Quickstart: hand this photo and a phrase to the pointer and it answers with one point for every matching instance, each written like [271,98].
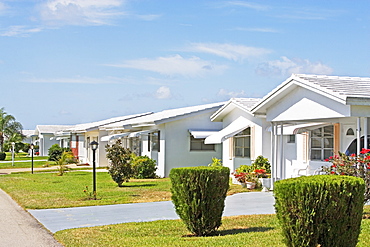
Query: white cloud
[19,31]
[226,94]
[3,7]
[286,67]
[174,65]
[249,5]
[229,51]
[163,93]
[80,12]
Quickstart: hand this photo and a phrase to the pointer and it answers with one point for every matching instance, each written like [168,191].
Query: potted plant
[264,179]
[251,180]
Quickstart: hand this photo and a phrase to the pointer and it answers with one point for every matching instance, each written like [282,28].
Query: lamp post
[94,146]
[13,144]
[32,147]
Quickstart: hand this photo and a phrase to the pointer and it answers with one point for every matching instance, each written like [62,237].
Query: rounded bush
[320,210]
[143,167]
[198,194]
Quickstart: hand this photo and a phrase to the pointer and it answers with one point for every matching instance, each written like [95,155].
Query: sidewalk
[19,228]
[66,218]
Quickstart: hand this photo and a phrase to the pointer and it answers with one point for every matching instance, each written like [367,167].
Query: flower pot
[266,183]
[250,185]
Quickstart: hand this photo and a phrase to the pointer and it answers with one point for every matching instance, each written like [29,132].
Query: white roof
[28,133]
[50,128]
[245,104]
[163,116]
[344,89]
[88,126]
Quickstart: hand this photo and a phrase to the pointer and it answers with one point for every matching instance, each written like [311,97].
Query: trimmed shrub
[198,194]
[55,152]
[2,156]
[119,162]
[143,167]
[320,210]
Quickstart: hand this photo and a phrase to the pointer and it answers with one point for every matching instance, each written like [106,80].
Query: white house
[44,136]
[312,117]
[243,136]
[80,136]
[174,138]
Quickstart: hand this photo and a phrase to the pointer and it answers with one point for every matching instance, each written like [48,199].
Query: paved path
[65,218]
[19,228]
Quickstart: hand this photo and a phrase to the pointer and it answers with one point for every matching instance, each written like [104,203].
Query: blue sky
[78,61]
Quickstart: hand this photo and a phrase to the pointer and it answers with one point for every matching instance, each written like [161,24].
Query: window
[291,138]
[242,144]
[153,141]
[197,144]
[322,143]
[350,132]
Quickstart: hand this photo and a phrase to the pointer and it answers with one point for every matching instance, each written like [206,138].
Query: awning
[112,137]
[201,134]
[298,128]
[138,133]
[232,129]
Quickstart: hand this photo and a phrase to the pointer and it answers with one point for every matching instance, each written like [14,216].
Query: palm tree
[8,127]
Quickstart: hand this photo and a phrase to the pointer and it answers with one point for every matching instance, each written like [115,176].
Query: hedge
[198,194]
[320,210]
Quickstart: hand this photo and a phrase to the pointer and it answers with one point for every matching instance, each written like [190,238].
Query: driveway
[66,218]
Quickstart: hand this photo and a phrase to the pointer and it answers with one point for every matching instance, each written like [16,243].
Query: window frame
[203,146]
[321,140]
[247,142]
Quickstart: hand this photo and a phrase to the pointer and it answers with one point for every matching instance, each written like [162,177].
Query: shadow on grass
[136,185]
[234,231]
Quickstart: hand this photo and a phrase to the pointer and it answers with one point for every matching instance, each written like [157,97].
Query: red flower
[326,160]
[341,164]
[332,172]
[334,165]
[353,155]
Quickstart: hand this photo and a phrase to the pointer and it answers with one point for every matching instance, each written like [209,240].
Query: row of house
[299,124]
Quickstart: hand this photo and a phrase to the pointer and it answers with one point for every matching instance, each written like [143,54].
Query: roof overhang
[201,134]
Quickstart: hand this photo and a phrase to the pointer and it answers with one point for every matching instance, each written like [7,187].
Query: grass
[22,161]
[47,190]
[244,230]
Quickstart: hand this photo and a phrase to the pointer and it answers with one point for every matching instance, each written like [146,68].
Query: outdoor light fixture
[94,146]
[32,147]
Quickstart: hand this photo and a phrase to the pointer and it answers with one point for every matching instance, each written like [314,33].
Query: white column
[358,132]
[366,144]
[282,166]
[273,160]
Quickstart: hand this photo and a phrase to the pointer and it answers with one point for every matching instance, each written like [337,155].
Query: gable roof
[163,116]
[245,104]
[344,89]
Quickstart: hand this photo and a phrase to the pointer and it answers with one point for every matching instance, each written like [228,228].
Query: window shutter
[336,138]
[252,144]
[231,148]
[305,150]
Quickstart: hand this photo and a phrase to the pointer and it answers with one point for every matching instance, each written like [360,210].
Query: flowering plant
[351,165]
[261,173]
[246,177]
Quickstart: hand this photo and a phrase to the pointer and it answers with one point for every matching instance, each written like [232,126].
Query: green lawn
[23,161]
[245,230]
[47,190]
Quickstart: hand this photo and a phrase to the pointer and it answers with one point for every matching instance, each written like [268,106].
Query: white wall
[175,151]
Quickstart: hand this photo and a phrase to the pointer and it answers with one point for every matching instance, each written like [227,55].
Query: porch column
[282,167]
[365,132]
[358,132]
[273,157]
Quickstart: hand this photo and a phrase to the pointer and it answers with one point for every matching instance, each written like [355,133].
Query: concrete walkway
[19,228]
[66,218]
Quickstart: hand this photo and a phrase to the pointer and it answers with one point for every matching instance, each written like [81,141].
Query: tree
[8,128]
[120,162]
